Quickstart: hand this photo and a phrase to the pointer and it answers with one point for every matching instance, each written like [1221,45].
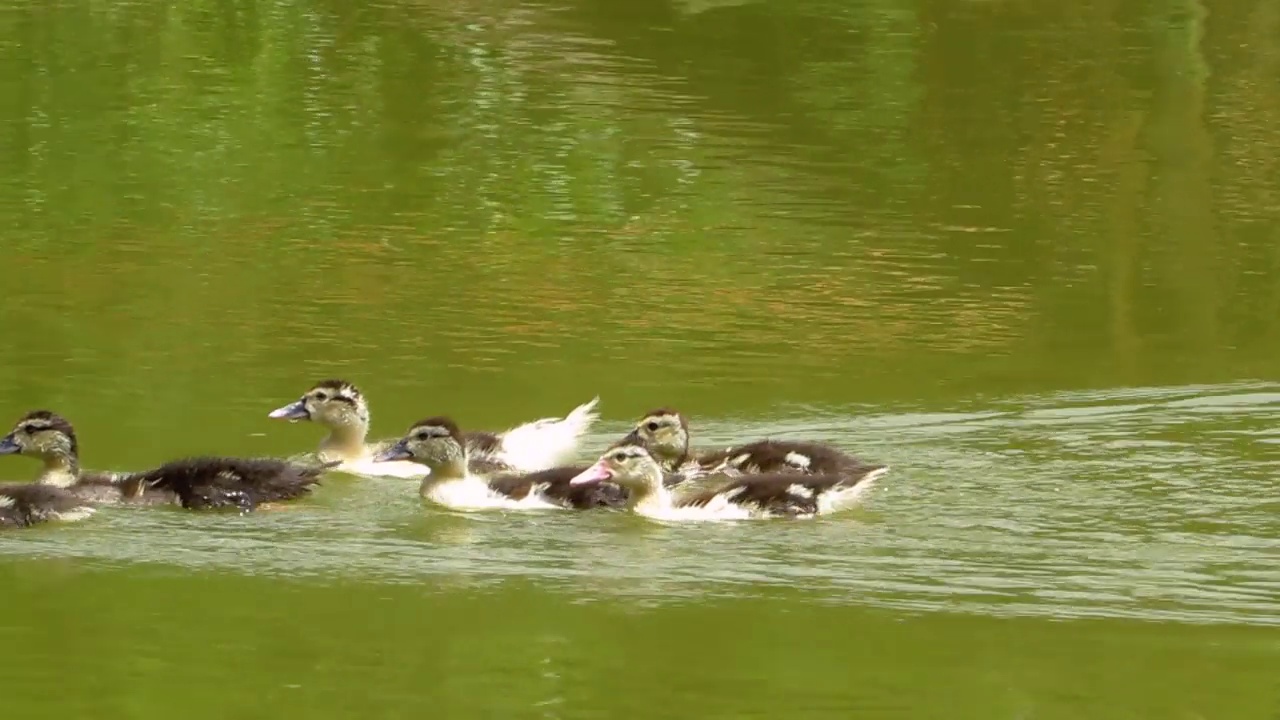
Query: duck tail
[546,443]
[865,474]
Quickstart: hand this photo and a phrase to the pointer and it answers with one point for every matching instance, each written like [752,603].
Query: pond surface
[1027,255]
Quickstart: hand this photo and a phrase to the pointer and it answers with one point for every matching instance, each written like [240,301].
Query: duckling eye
[321,397]
[619,457]
[30,429]
[422,435]
[652,426]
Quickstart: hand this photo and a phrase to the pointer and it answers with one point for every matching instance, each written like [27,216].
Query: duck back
[23,505]
[481,442]
[780,493]
[205,483]
[784,456]
[553,484]
[103,488]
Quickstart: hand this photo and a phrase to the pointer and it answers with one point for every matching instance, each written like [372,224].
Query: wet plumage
[194,483]
[24,505]
[554,485]
[203,483]
[665,432]
[632,466]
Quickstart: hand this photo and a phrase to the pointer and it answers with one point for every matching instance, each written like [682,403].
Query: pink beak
[595,473]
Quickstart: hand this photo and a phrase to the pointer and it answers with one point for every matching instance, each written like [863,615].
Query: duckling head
[435,442]
[665,433]
[628,464]
[336,405]
[331,403]
[47,436]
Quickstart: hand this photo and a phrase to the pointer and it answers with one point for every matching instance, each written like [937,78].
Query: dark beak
[399,451]
[292,412]
[633,438]
[8,446]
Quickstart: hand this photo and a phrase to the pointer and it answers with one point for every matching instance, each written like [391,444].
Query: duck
[747,496]
[342,409]
[196,483]
[665,432]
[23,505]
[457,482]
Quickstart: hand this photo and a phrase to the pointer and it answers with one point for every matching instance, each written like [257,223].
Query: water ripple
[1154,503]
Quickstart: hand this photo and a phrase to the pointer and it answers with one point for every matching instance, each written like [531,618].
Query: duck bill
[595,473]
[293,412]
[395,452]
[633,438]
[8,446]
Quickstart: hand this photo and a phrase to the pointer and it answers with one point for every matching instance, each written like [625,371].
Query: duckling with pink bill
[665,433]
[461,482]
[745,497]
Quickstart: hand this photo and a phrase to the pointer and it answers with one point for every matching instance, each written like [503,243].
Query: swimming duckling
[341,408]
[756,495]
[194,483]
[24,505]
[49,438]
[454,481]
[665,432]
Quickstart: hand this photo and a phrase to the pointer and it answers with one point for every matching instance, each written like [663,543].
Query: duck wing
[782,493]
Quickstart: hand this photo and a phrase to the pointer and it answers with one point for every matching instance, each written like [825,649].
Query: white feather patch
[6,501]
[799,490]
[799,460]
[544,443]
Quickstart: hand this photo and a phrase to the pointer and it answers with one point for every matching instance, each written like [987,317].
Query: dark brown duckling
[665,432]
[457,482]
[194,483]
[24,505]
[750,496]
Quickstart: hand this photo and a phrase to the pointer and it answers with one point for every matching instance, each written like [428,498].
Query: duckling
[194,483]
[665,432]
[23,505]
[457,482]
[48,437]
[748,496]
[341,408]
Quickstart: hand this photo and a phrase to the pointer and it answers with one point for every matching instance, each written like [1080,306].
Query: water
[1028,256]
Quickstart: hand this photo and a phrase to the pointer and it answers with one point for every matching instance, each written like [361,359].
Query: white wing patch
[799,460]
[799,490]
[229,475]
[6,501]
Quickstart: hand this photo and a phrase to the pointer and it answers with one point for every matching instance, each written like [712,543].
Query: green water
[1026,253]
